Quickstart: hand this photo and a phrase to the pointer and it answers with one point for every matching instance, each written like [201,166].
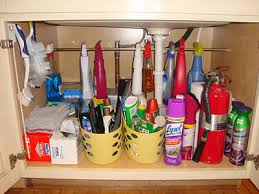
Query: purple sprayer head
[237,104]
[175,108]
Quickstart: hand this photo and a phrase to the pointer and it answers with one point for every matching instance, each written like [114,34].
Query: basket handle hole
[90,154]
[86,136]
[88,145]
[136,154]
[114,153]
[134,136]
[116,135]
[128,137]
[115,144]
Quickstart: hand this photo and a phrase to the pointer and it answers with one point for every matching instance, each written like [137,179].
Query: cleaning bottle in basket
[99,73]
[168,76]
[137,71]
[174,129]
[240,136]
[87,81]
[148,77]
[230,125]
[196,73]
[180,86]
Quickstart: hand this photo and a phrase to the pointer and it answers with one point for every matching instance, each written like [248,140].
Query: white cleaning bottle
[87,91]
[137,73]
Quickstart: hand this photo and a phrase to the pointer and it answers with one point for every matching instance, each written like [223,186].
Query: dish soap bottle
[148,77]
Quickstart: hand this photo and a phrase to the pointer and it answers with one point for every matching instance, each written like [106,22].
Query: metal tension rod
[133,49]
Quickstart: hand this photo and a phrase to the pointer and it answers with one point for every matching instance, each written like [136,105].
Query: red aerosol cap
[152,105]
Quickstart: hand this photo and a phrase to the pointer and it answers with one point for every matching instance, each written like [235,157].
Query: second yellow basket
[144,148]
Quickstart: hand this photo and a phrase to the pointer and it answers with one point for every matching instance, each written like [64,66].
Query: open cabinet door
[254,138]
[10,137]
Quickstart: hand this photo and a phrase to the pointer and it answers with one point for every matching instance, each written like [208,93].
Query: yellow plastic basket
[102,148]
[144,148]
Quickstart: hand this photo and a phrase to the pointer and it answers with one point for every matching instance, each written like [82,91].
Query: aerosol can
[213,119]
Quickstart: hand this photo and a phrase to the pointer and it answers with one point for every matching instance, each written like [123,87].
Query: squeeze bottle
[174,129]
[168,77]
[99,73]
[196,73]
[180,86]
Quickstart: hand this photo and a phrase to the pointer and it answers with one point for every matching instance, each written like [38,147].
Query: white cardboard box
[65,150]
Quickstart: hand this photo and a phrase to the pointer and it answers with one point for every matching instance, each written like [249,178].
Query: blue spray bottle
[168,77]
[196,73]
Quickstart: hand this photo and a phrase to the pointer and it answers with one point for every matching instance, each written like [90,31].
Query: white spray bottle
[87,90]
[137,73]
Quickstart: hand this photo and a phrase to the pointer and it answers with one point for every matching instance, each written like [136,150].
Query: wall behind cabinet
[73,36]
[243,61]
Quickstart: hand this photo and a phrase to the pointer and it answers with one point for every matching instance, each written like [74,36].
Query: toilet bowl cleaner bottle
[174,129]
[180,85]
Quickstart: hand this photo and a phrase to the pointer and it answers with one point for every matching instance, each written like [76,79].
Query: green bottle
[240,136]
[230,125]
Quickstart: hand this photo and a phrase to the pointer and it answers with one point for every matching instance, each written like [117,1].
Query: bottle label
[175,120]
[188,135]
[229,133]
[173,143]
[238,147]
[188,138]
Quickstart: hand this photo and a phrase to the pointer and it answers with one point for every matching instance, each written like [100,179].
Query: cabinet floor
[246,187]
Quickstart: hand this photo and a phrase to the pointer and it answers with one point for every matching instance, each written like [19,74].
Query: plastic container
[102,148]
[144,148]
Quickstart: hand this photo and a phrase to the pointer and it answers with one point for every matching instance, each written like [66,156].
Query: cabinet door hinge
[13,158]
[5,44]
[254,158]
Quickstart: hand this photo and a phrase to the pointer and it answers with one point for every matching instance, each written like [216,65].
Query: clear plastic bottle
[148,77]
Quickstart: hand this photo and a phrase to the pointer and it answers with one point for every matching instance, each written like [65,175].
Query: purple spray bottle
[174,131]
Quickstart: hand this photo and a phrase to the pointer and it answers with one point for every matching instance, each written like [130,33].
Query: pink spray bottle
[180,85]
[99,73]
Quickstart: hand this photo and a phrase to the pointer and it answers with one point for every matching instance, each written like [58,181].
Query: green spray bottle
[240,136]
[230,125]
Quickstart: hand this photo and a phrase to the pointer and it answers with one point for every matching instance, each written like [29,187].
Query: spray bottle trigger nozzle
[198,50]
